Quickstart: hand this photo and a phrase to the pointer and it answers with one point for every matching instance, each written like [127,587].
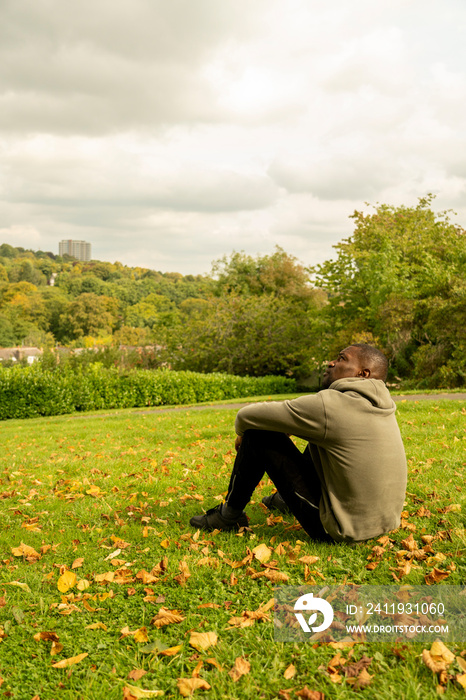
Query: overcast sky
[168,133]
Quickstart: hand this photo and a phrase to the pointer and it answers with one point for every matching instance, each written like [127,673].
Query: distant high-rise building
[78,249]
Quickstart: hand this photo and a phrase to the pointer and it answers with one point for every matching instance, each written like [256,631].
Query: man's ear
[366,373]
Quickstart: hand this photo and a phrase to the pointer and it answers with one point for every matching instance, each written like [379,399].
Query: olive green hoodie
[357,450]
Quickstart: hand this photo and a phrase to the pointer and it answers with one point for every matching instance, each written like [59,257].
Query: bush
[35,391]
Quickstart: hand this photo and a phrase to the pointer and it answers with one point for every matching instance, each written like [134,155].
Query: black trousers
[292,472]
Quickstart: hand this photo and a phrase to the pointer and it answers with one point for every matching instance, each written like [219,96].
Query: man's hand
[238,442]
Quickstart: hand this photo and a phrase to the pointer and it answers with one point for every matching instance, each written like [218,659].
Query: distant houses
[20,354]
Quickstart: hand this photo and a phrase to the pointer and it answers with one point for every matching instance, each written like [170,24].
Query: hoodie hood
[373,390]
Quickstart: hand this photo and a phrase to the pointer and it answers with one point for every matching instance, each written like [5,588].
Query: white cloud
[171,133]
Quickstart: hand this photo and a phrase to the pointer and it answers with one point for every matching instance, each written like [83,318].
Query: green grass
[81,488]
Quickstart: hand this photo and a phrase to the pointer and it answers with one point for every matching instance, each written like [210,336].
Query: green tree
[241,335]
[279,274]
[153,311]
[22,304]
[394,281]
[89,315]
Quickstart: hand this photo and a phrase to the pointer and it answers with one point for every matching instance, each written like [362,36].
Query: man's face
[347,364]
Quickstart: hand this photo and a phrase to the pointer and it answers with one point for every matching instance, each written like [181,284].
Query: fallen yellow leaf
[290,672]
[439,650]
[241,668]
[56,648]
[94,491]
[20,584]
[187,686]
[66,581]
[24,550]
[96,626]
[107,577]
[64,663]
[203,640]
[141,635]
[262,553]
[131,691]
[166,617]
[171,651]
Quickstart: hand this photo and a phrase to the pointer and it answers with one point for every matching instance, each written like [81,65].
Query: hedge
[28,392]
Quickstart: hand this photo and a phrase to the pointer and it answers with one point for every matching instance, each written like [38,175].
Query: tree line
[398,282]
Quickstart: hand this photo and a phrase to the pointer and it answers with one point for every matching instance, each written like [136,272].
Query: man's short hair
[373,359]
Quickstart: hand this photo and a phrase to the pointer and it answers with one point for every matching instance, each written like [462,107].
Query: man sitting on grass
[349,483]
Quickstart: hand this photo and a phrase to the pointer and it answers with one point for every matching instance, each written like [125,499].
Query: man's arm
[303,417]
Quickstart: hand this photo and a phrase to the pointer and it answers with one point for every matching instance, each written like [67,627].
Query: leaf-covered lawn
[107,592]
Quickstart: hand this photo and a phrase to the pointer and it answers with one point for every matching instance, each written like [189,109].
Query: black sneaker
[214,520]
[275,502]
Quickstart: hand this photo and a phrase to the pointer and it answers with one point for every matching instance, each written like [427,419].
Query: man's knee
[269,439]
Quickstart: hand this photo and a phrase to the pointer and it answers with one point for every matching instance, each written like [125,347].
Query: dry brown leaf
[214,662]
[453,508]
[64,663]
[362,681]
[409,543]
[185,573]
[308,694]
[435,576]
[146,577]
[166,617]
[432,664]
[107,577]
[77,563]
[187,686]
[427,539]
[276,576]
[136,674]
[241,622]
[241,668]
[309,560]
[343,644]
[249,617]
[209,605]
[46,636]
[203,640]
[372,565]
[56,648]
[24,550]
[438,658]
[197,669]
